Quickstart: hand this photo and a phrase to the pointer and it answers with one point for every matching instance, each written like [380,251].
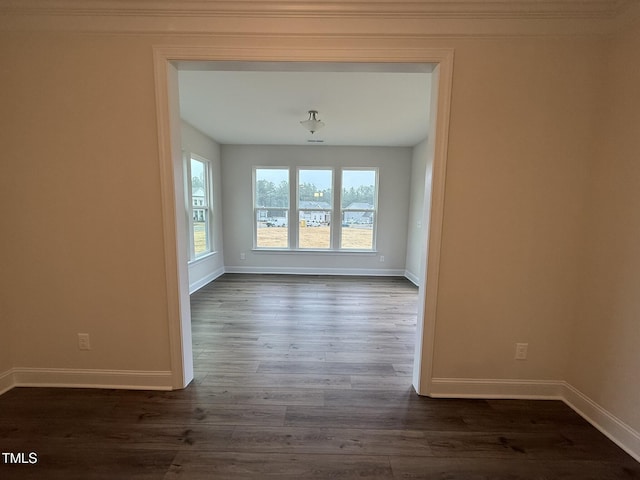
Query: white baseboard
[611,426]
[375,272]
[619,432]
[74,378]
[6,381]
[615,429]
[197,285]
[412,277]
[495,388]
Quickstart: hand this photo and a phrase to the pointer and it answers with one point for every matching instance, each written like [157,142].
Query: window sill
[298,251]
[202,258]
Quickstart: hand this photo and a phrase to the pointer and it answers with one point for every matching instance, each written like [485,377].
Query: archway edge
[166,62]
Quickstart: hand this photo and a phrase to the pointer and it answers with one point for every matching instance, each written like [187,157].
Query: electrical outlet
[83,341]
[381,258]
[243,256]
[521,351]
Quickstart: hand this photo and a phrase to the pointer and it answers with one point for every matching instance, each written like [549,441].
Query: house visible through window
[271,207]
[199,203]
[317,208]
[314,208]
[358,209]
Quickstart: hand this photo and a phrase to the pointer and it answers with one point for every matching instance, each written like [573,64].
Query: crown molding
[481,9]
[420,18]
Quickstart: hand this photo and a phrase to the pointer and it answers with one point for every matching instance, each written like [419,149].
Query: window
[358,205]
[314,208]
[271,207]
[199,205]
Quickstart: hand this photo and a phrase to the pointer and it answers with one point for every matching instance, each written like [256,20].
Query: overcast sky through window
[351,178]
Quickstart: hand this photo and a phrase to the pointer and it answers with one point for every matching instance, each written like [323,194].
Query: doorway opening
[170,62]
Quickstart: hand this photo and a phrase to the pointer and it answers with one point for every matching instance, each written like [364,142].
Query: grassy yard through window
[355,237]
[199,237]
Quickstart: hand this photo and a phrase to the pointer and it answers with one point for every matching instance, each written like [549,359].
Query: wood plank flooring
[300,377]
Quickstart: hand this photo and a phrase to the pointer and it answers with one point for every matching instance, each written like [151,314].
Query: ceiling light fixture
[312,123]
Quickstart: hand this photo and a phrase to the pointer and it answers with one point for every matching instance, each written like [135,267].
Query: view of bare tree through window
[200,207]
[358,208]
[272,207]
[316,213]
[314,208]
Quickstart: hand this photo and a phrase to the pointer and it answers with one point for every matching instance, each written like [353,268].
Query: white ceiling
[263,103]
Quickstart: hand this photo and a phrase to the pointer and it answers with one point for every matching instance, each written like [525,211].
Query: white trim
[441,89]
[201,282]
[372,272]
[496,388]
[413,278]
[202,258]
[611,426]
[615,429]
[425,18]
[291,233]
[174,219]
[432,18]
[313,251]
[340,210]
[164,58]
[463,9]
[189,157]
[92,378]
[6,381]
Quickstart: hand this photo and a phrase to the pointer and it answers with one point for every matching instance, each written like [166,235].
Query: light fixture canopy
[312,123]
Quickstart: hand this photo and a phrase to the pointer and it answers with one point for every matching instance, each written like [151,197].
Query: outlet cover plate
[521,351]
[83,341]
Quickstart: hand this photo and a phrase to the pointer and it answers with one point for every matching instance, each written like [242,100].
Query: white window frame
[336,211]
[331,210]
[286,211]
[373,211]
[207,207]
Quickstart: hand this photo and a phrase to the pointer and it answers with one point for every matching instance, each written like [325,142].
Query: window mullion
[336,212]
[294,220]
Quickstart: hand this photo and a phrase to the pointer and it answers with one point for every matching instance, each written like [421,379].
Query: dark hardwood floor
[300,378]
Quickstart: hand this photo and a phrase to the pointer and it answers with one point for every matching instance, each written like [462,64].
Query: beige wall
[519,137]
[6,362]
[606,335]
[520,146]
[81,199]
[520,129]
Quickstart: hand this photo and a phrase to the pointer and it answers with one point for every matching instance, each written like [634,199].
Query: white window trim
[189,207]
[255,209]
[374,210]
[336,212]
[331,211]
